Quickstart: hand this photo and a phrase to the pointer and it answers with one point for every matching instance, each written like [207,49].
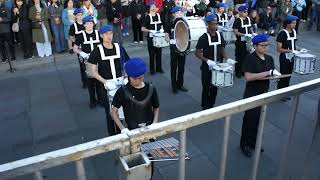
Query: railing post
[81,172]
[224,149]
[38,175]
[259,142]
[283,163]
[182,154]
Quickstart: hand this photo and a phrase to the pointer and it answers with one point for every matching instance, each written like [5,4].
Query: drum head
[182,35]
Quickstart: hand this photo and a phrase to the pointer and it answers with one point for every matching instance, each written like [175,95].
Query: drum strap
[142,103]
[246,26]
[91,41]
[76,31]
[214,44]
[155,23]
[223,20]
[110,58]
[291,39]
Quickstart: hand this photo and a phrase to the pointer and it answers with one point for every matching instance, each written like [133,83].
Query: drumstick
[276,77]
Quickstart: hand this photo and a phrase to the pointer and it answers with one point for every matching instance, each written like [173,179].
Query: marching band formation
[116,82]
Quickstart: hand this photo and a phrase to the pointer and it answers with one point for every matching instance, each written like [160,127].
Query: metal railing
[130,143]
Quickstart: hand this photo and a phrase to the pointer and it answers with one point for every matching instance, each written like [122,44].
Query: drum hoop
[189,33]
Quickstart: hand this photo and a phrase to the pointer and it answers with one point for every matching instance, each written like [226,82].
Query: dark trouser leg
[83,73]
[209,91]
[286,67]
[158,59]
[11,45]
[26,41]
[152,53]
[298,14]
[250,127]
[2,46]
[99,91]
[92,90]
[241,53]
[173,64]
[112,128]
[134,29]
[181,63]
[139,31]
[7,37]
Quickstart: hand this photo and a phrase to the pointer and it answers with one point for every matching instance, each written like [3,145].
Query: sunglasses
[263,45]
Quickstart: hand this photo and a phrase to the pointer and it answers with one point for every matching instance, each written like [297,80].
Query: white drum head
[306,55]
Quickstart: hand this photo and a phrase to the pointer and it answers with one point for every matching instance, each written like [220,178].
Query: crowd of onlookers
[44,24]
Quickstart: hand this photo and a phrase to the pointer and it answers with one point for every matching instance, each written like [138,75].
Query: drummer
[210,49]
[152,24]
[83,46]
[177,59]
[242,28]
[109,57]
[222,16]
[256,66]
[138,99]
[286,45]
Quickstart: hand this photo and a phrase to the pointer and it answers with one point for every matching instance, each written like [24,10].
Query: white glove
[231,61]
[248,35]
[125,81]
[303,50]
[161,30]
[295,52]
[274,72]
[211,63]
[84,55]
[153,31]
[109,86]
[125,131]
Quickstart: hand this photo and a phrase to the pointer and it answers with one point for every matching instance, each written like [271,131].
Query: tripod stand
[11,69]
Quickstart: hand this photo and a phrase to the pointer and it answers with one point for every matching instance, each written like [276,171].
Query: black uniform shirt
[146,24]
[237,25]
[282,38]
[208,51]
[254,64]
[104,68]
[133,114]
[72,31]
[222,17]
[87,47]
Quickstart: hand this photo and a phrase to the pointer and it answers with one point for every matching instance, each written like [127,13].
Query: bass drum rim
[185,25]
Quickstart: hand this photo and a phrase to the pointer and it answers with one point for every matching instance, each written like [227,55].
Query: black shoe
[13,59]
[4,60]
[174,90]
[238,75]
[161,71]
[70,51]
[247,151]
[152,72]
[93,105]
[183,89]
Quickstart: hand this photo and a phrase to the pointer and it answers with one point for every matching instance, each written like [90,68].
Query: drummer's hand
[153,31]
[109,86]
[84,55]
[295,52]
[274,72]
[125,131]
[211,63]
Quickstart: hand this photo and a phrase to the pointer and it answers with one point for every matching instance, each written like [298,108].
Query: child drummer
[210,49]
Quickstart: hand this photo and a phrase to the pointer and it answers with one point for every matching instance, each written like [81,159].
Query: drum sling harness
[111,58]
[214,44]
[246,26]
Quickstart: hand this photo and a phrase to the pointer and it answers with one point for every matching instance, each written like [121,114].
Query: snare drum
[222,75]
[159,40]
[187,31]
[111,94]
[228,35]
[304,63]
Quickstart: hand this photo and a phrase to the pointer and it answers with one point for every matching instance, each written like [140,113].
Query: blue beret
[77,11]
[88,19]
[135,67]
[260,38]
[151,3]
[176,9]
[211,17]
[221,4]
[105,28]
[291,18]
[243,8]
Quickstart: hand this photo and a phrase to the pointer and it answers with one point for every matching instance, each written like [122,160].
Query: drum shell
[304,63]
[228,35]
[221,78]
[111,94]
[160,42]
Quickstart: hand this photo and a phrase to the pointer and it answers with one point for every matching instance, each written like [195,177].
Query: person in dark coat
[137,11]
[114,11]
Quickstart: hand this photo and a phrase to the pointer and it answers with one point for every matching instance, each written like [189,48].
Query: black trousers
[7,38]
[298,14]
[177,65]
[25,38]
[209,91]
[94,88]
[136,28]
[112,128]
[286,67]
[83,73]
[154,57]
[240,53]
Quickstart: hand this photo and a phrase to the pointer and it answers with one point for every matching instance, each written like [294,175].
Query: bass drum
[187,31]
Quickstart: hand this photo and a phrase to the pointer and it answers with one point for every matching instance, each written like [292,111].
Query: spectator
[20,15]
[165,11]
[238,3]
[231,18]
[102,12]
[68,19]
[306,11]
[285,9]
[267,22]
[90,10]
[114,17]
[229,4]
[255,20]
[41,33]
[55,13]
[262,5]
[6,33]
[211,6]
[125,15]
[298,6]
[315,15]
[137,10]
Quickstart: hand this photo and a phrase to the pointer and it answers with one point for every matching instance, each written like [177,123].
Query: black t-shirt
[135,114]
[282,38]
[147,24]
[84,42]
[237,25]
[222,17]
[104,68]
[72,31]
[208,51]
[254,64]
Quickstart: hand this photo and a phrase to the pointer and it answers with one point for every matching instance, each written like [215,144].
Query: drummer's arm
[199,54]
[95,74]
[115,117]
[255,76]
[143,29]
[280,49]
[156,115]
[76,49]
[224,54]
